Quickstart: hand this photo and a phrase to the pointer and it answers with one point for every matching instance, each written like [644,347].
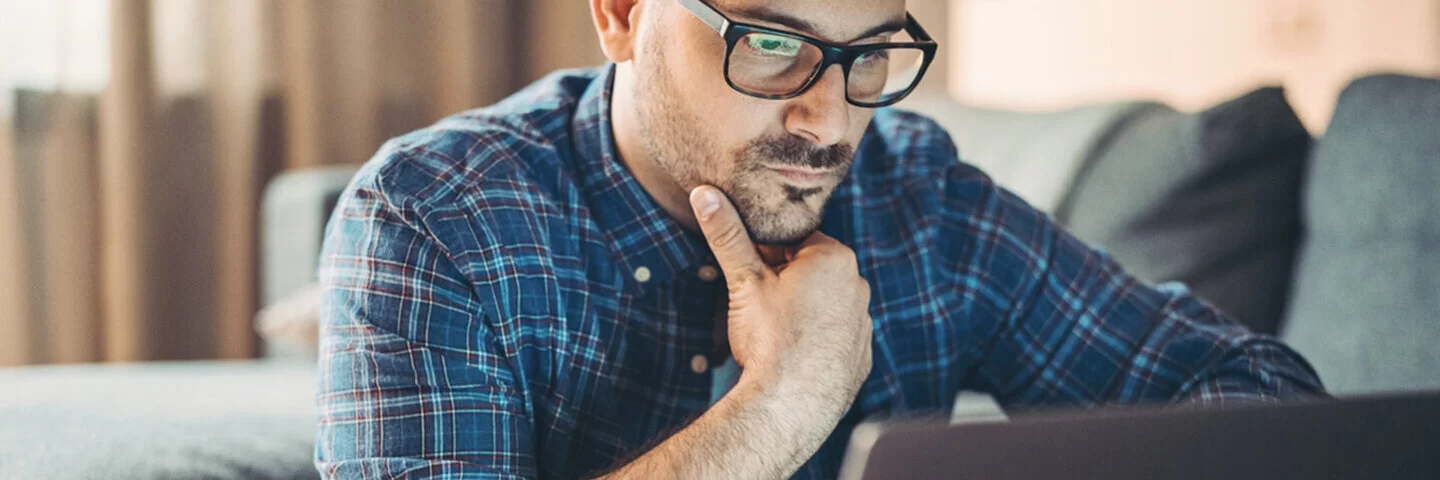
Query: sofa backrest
[1036,155]
[1366,307]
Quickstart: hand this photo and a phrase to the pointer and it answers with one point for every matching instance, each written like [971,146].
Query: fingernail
[707,204]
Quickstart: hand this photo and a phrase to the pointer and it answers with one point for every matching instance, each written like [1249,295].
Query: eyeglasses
[777,65]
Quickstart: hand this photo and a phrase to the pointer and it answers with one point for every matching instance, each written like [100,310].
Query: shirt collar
[652,247]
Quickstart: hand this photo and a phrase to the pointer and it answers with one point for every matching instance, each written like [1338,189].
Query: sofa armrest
[294,212]
[295,209]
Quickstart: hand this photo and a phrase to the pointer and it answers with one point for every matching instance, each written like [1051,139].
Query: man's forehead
[837,21]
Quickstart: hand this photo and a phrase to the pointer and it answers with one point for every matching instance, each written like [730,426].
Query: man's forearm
[761,429]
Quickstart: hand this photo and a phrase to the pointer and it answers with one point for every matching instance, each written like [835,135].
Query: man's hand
[800,327]
[803,320]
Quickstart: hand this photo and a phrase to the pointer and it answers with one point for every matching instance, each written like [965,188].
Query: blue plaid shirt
[504,300]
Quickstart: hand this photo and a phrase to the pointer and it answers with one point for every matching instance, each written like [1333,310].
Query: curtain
[128,208]
[15,336]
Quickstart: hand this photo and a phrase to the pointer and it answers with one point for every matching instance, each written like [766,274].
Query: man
[554,287]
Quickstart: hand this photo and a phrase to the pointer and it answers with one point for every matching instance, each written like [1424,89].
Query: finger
[818,238]
[817,243]
[727,236]
[819,246]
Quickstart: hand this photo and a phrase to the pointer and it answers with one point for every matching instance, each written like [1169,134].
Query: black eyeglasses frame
[843,55]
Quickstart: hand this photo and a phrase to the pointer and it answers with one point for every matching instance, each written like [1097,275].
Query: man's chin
[774,218]
[786,239]
[786,229]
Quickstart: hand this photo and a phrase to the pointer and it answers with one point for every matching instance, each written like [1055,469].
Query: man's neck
[625,127]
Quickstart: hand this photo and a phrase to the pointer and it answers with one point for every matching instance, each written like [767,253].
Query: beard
[774,211]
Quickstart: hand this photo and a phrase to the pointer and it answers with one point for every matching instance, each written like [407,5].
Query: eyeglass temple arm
[707,14]
[920,34]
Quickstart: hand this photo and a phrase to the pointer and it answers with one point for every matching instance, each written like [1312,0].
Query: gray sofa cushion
[1366,308]
[1033,154]
[184,420]
[1208,199]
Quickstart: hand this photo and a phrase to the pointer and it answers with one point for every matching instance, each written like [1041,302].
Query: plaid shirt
[504,300]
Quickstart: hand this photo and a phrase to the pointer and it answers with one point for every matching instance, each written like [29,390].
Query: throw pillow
[1209,199]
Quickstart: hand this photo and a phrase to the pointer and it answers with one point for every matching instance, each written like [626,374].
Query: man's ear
[617,22]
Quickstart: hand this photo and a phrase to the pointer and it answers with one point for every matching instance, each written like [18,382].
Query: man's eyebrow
[801,25]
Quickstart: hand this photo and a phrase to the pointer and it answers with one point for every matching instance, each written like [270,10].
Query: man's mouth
[802,176]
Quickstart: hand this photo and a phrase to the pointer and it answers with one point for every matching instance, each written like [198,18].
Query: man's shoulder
[909,157]
[517,147]
[905,150]
[912,138]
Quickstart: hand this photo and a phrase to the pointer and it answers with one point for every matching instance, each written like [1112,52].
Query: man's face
[777,160]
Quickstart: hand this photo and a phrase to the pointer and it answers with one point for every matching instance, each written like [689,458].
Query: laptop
[1386,437]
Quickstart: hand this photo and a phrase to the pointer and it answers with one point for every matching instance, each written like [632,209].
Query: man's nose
[821,114]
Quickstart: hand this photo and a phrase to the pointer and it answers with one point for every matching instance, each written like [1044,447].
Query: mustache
[794,151]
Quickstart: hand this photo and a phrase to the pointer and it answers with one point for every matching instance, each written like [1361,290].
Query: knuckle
[826,254]
[741,277]
[728,236]
[842,258]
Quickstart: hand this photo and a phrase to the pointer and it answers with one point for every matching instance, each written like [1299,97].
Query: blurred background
[137,136]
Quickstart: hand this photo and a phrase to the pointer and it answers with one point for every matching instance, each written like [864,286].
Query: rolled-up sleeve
[413,384]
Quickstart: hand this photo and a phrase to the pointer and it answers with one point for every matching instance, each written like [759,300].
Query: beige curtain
[128,217]
[15,336]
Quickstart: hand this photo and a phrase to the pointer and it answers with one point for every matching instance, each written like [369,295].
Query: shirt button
[642,274]
[708,273]
[699,364]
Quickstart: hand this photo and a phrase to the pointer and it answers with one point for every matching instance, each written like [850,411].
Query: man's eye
[773,45]
[874,56]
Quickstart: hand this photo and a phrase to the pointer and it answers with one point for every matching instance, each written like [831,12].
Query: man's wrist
[808,396]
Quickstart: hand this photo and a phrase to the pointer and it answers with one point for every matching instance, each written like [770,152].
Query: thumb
[727,236]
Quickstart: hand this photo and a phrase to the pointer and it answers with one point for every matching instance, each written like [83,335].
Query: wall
[1046,54]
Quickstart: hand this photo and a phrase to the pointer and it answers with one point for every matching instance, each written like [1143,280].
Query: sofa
[1333,243]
